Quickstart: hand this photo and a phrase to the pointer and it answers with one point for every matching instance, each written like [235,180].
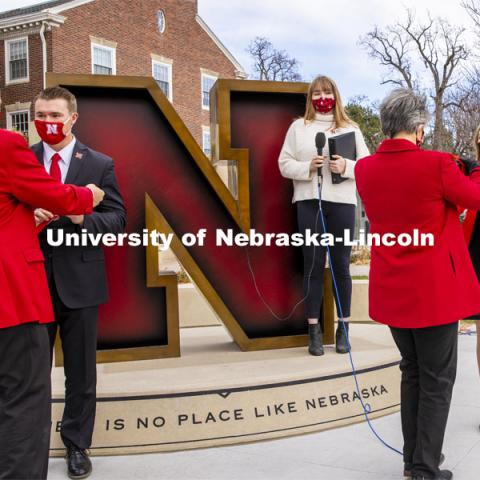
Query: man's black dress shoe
[407,472]
[443,475]
[79,465]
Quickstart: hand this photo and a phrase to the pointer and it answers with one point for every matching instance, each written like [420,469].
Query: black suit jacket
[79,272]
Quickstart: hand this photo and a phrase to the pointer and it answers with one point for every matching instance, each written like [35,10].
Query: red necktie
[55,171]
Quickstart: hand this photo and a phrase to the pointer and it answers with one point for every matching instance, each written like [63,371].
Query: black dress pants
[78,332]
[25,408]
[429,366]
[339,217]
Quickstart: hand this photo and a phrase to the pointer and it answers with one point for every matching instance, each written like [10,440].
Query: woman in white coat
[300,162]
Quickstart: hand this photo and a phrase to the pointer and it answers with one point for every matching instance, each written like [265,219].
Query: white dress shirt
[65,153]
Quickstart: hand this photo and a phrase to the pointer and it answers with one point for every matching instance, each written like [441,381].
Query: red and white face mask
[323,105]
[51,132]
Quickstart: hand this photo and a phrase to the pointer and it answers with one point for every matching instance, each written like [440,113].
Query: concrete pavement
[350,453]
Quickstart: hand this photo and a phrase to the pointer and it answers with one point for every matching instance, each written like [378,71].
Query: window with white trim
[103,60]
[19,121]
[162,73]
[207,84]
[16,60]
[206,145]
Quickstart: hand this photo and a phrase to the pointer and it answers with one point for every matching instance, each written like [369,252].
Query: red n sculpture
[171,186]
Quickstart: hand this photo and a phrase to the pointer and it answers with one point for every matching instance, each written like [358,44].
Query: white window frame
[161,15]
[7,43]
[104,47]
[10,115]
[170,76]
[206,130]
[202,76]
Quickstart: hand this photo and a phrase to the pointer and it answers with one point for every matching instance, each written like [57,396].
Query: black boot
[341,342]
[315,344]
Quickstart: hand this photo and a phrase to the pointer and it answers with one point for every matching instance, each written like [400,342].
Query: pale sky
[322,35]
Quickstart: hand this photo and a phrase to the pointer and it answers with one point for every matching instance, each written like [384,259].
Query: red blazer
[405,188]
[24,183]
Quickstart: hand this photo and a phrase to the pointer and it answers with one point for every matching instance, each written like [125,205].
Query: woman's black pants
[339,218]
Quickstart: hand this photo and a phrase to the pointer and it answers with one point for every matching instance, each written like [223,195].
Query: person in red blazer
[420,292]
[25,306]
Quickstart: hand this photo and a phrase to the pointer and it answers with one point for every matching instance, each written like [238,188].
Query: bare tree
[273,64]
[392,48]
[463,112]
[462,118]
[473,9]
[437,46]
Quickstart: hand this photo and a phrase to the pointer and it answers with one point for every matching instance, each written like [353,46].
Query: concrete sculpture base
[216,395]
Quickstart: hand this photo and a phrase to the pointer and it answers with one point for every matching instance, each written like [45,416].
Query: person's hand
[316,163]
[42,215]
[98,194]
[76,219]
[338,164]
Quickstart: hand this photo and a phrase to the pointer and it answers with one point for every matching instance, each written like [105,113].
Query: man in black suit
[76,275]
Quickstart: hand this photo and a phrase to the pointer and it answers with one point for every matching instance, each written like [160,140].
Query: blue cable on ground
[367,408]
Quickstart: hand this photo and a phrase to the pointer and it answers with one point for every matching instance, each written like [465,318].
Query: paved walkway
[359,270]
[350,453]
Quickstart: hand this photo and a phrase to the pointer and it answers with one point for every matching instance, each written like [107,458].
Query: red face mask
[323,105]
[50,132]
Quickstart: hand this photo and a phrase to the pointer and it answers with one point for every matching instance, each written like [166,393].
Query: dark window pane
[18,60]
[100,70]
[20,123]
[18,69]
[206,99]
[165,87]
[207,84]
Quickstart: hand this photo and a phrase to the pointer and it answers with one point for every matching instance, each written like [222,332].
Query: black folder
[345,146]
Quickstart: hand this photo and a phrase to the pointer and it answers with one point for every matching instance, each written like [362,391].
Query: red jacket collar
[396,145]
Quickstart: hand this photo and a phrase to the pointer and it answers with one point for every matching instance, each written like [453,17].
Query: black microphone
[320,140]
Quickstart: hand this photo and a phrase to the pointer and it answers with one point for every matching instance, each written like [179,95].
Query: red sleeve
[31,184]
[457,188]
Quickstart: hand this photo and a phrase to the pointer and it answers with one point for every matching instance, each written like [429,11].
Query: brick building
[166,39]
